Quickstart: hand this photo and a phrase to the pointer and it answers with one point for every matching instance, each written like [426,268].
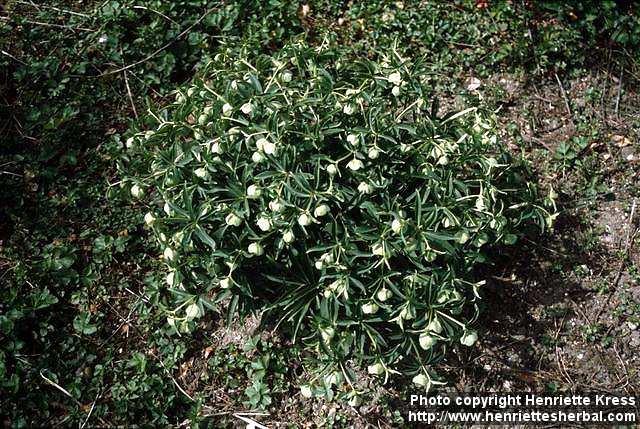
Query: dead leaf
[473,84]
[620,141]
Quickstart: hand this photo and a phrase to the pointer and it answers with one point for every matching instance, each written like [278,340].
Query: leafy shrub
[329,194]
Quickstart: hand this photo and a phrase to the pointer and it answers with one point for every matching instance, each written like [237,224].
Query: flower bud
[227,109]
[435,326]
[225,283]
[149,218]
[365,188]
[321,210]
[288,236]
[269,148]
[396,225]
[216,148]
[355,164]
[260,143]
[233,220]
[257,157]
[395,91]
[395,78]
[304,219]
[349,109]
[137,191]
[264,224]
[286,76]
[167,209]
[427,341]
[384,294]
[420,380]
[352,139]
[169,254]
[253,191]
[193,311]
[469,338]
[246,108]
[355,401]
[275,206]
[305,391]
[201,172]
[373,153]
[370,308]
[332,169]
[327,333]
[376,369]
[255,249]
[171,278]
[378,249]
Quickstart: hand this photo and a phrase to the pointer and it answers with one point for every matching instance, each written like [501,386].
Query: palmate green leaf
[331,206]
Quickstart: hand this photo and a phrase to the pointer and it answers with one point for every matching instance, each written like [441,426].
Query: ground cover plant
[84,333]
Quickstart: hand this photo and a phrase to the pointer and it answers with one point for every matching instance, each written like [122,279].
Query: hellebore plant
[349,213]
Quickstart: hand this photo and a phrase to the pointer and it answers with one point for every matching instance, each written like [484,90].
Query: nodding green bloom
[225,283]
[270,148]
[149,218]
[253,191]
[304,219]
[255,249]
[355,401]
[352,139]
[201,172]
[349,109]
[276,206]
[396,225]
[355,164]
[260,143]
[216,148]
[395,91]
[264,224]
[427,341]
[169,254]
[167,209]
[378,249]
[327,333]
[365,188]
[246,108]
[257,157]
[193,311]
[370,308]
[233,220]
[469,338]
[227,109]
[384,294]
[332,169]
[305,391]
[137,191]
[374,153]
[434,326]
[288,236]
[321,210]
[405,314]
[395,78]
[420,380]
[286,76]
[171,278]
[376,369]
